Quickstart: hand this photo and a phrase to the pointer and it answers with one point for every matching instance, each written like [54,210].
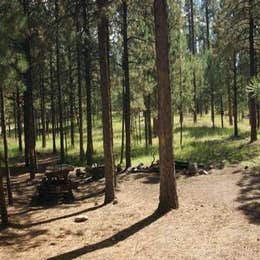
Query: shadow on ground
[249,196]
[111,241]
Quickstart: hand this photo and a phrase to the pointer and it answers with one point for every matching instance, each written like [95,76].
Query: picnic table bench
[56,181]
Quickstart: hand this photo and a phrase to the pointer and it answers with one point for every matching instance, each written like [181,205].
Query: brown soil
[219,218]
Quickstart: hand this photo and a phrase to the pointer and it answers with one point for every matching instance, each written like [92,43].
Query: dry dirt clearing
[219,218]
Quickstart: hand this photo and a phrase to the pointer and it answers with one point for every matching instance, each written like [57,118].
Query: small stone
[115,202]
[203,172]
[81,219]
[201,206]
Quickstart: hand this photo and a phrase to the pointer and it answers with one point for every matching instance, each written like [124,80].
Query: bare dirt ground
[219,218]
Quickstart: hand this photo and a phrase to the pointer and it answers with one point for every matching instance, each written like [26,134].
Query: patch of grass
[201,143]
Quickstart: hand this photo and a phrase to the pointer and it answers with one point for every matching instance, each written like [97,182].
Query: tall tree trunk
[168,191]
[207,22]
[78,45]
[193,46]
[252,100]
[89,152]
[62,154]
[15,115]
[149,119]
[29,122]
[72,100]
[3,208]
[181,107]
[258,115]
[222,111]
[53,118]
[146,129]
[6,158]
[212,105]
[235,96]
[127,87]
[19,125]
[103,39]
[230,112]
[123,125]
[43,108]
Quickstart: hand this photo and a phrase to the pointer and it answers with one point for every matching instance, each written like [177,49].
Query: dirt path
[218,219]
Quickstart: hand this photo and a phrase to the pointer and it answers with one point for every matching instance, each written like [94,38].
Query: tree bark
[72,100]
[6,158]
[78,45]
[207,22]
[222,111]
[89,152]
[53,118]
[235,96]
[43,108]
[127,87]
[230,112]
[252,100]
[3,208]
[193,53]
[19,125]
[168,191]
[62,154]
[103,40]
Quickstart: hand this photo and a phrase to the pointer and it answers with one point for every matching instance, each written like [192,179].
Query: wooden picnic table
[56,180]
[59,171]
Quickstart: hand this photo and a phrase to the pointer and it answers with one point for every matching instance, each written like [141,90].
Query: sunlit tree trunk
[88,64]
[127,87]
[103,39]
[168,190]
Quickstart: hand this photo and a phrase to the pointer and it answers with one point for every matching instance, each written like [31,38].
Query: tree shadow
[22,226]
[249,196]
[111,241]
[202,131]
[21,240]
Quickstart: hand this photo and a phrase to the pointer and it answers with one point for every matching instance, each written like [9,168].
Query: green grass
[201,144]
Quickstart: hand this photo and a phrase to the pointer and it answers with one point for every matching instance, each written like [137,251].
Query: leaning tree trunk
[168,190]
[127,87]
[6,158]
[103,39]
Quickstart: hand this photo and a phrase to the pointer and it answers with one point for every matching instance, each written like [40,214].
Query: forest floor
[218,218]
